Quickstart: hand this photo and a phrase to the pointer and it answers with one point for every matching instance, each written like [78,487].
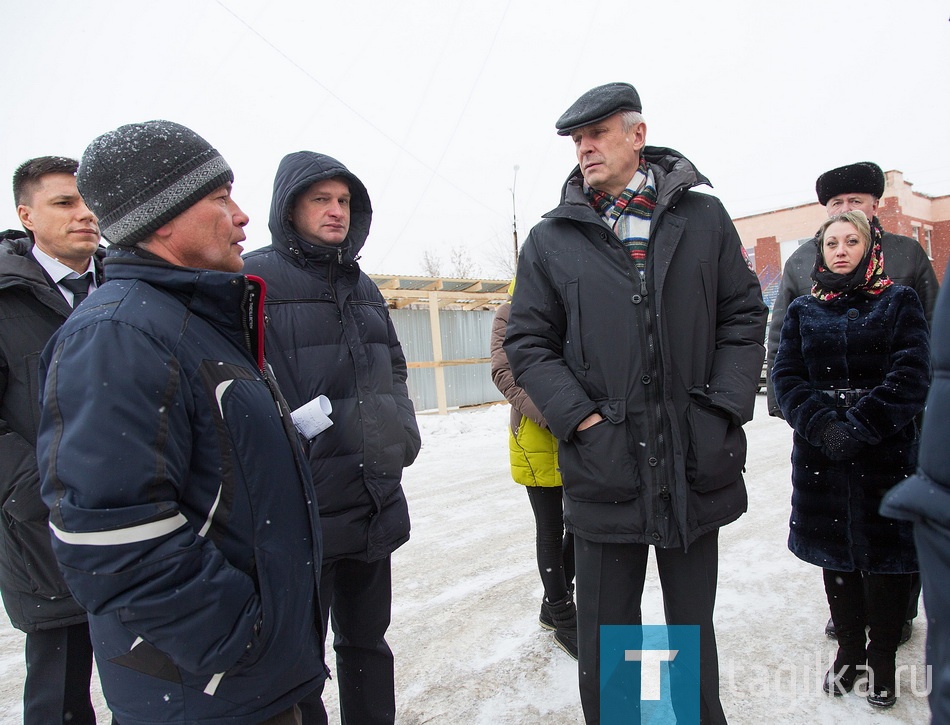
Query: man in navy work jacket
[329,333]
[637,328]
[181,506]
[44,274]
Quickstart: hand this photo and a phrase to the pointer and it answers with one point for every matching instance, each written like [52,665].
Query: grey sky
[433,102]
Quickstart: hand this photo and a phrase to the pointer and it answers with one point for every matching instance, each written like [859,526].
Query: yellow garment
[533,455]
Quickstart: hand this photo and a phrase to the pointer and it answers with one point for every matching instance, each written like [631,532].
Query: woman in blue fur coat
[851,376]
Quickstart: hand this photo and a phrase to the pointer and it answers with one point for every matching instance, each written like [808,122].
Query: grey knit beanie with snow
[140,176]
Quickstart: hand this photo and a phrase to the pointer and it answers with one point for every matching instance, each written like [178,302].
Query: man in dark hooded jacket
[329,333]
[637,328]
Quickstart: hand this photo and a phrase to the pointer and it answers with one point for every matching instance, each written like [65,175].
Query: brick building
[771,237]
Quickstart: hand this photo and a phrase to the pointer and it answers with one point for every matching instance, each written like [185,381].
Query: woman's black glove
[838,441]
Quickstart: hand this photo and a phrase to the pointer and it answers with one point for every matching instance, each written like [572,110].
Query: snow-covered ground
[468,647]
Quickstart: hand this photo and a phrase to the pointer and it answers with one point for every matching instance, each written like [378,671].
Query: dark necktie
[79,287]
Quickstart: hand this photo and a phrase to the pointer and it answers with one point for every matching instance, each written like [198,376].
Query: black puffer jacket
[880,345]
[906,263]
[329,333]
[672,363]
[34,593]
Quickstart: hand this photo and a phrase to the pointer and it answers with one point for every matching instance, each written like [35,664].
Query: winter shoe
[840,679]
[851,658]
[881,697]
[887,598]
[882,685]
[882,678]
[906,631]
[830,629]
[545,619]
[564,615]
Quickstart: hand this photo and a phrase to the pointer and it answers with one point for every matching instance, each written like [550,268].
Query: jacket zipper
[290,432]
[653,397]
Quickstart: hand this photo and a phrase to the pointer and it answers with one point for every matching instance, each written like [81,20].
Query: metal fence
[465,351]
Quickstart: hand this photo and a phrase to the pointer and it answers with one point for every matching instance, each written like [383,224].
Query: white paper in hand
[313,417]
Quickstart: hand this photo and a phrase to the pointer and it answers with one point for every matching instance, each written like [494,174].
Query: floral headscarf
[867,278]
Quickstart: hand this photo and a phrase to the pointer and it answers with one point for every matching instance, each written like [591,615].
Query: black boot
[887,602]
[845,592]
[830,629]
[849,663]
[564,615]
[544,618]
[882,684]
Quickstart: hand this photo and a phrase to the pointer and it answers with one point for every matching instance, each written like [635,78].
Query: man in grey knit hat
[181,504]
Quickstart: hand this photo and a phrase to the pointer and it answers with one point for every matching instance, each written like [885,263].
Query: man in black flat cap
[855,186]
[637,329]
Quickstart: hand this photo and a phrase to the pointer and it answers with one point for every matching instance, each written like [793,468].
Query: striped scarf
[629,214]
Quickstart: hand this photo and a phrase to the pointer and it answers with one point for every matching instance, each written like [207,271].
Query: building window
[927,234]
[915,233]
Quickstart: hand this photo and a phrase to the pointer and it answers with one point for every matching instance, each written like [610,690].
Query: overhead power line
[433,170]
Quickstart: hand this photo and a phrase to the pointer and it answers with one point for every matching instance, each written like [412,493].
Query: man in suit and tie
[44,274]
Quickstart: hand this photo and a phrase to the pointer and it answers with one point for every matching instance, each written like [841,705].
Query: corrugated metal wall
[465,335]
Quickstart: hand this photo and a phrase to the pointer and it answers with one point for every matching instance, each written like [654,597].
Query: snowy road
[465,634]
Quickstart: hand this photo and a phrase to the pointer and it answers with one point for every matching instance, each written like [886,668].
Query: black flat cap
[597,104]
[863,177]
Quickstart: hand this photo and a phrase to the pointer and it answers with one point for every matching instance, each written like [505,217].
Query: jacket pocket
[716,453]
[573,347]
[30,543]
[596,463]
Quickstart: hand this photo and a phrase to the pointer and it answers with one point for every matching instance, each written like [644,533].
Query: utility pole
[514,216]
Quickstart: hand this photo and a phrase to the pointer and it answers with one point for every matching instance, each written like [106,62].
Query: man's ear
[640,135]
[26,216]
[165,230]
[158,239]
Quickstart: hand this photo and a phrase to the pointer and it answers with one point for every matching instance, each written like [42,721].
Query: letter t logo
[650,660]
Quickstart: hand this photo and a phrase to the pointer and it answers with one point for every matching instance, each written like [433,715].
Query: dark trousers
[610,580]
[58,668]
[914,597]
[357,595]
[555,546]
